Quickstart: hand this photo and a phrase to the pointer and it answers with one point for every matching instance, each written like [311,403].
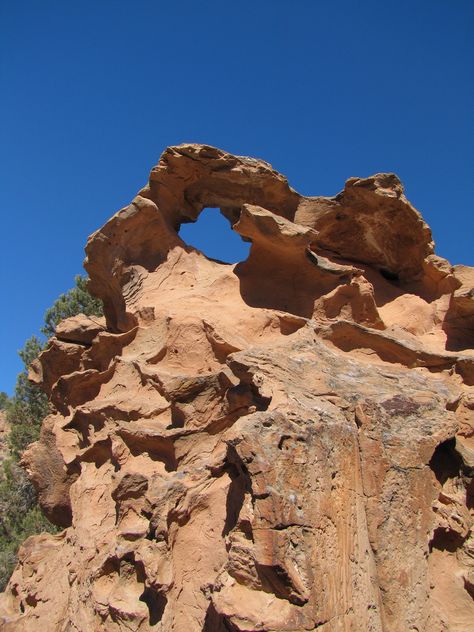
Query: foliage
[3,400]
[20,515]
[29,406]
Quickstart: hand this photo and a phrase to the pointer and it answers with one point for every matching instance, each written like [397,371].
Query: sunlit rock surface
[285,444]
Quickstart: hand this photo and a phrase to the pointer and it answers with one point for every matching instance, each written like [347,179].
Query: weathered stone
[285,444]
[82,329]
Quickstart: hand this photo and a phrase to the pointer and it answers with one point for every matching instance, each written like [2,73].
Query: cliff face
[284,444]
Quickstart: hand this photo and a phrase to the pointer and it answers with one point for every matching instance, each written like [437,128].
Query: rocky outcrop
[285,444]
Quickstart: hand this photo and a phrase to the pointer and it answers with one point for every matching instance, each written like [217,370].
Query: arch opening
[212,234]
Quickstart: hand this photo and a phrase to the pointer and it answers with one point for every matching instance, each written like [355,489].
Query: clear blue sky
[93,91]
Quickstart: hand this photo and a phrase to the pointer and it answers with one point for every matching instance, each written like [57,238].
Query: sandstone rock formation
[285,444]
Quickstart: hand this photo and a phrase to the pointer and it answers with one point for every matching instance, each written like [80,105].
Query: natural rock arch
[283,444]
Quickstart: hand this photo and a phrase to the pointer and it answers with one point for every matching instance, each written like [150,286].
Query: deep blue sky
[92,92]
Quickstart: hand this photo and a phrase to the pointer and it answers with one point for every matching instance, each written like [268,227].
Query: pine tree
[3,400]
[29,405]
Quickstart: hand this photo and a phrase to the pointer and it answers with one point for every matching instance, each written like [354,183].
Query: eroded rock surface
[285,444]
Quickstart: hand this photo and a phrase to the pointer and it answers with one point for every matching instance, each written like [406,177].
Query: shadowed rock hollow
[285,444]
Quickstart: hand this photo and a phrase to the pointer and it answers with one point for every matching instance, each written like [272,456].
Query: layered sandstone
[285,444]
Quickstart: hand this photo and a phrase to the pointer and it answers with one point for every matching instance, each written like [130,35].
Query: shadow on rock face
[265,284]
[282,272]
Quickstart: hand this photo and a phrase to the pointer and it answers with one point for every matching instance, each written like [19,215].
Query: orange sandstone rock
[285,444]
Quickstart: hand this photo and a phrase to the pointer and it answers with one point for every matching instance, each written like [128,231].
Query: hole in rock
[446,462]
[388,274]
[157,448]
[212,234]
[445,540]
[275,579]
[215,622]
[156,603]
